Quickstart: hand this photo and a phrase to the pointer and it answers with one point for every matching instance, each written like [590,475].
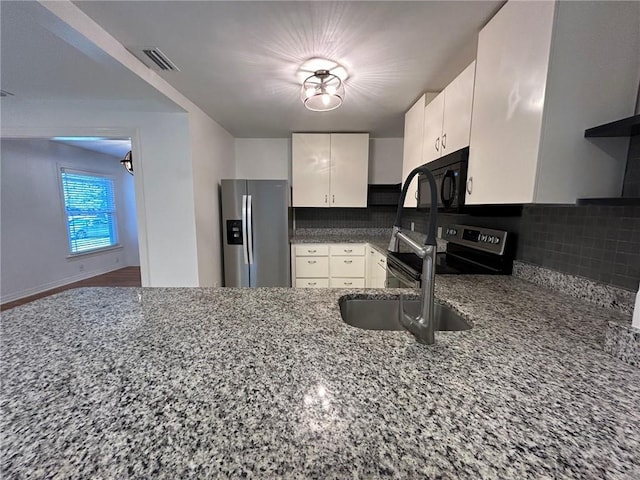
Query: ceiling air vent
[153,58]
[4,93]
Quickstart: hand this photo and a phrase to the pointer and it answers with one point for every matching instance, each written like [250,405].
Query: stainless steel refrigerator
[255,233]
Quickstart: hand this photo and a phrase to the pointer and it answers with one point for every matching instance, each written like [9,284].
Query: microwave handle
[451,176]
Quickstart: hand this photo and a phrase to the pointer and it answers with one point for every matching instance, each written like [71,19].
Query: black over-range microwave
[450,173]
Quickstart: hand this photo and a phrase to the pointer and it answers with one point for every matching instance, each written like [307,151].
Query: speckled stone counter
[377,237]
[270,383]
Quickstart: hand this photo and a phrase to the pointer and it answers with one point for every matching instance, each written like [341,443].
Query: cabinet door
[432,141]
[311,169]
[456,123]
[412,148]
[349,169]
[371,264]
[380,276]
[511,73]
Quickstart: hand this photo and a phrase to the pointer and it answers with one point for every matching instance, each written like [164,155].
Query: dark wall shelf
[627,127]
[609,202]
[383,195]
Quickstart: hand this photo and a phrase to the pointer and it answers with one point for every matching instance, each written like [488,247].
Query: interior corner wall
[213,160]
[163,184]
[263,158]
[385,160]
[35,249]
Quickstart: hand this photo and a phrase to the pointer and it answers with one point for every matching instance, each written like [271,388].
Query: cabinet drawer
[355,249]
[311,250]
[347,267]
[347,283]
[312,267]
[312,282]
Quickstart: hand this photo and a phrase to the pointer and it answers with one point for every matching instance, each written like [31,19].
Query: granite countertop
[377,238]
[270,383]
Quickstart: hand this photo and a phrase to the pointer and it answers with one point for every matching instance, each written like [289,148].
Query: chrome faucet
[422,326]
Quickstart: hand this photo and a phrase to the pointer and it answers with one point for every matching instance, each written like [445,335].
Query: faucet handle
[404,318]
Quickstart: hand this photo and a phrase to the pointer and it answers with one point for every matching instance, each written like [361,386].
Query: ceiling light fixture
[322,91]
[127,162]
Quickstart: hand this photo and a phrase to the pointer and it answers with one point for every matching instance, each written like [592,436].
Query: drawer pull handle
[311,251]
[348,261]
[312,283]
[348,250]
[348,283]
[311,261]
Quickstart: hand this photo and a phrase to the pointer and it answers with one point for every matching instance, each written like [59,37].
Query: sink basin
[375,314]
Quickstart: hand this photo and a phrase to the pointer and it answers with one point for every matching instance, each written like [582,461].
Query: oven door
[397,278]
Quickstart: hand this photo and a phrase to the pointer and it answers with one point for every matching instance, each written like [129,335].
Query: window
[90,209]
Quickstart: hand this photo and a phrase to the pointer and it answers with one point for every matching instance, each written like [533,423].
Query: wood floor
[125,277]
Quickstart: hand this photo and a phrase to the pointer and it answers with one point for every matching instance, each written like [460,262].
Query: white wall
[180,156]
[263,158]
[35,247]
[385,160]
[213,160]
[163,178]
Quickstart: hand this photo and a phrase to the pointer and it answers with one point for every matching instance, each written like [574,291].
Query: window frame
[65,217]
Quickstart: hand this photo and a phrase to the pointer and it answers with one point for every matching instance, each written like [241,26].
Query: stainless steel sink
[371,314]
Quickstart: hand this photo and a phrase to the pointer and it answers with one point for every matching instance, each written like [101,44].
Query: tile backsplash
[596,242]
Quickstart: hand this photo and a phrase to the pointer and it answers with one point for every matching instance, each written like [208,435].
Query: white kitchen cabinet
[330,169]
[376,269]
[310,265]
[329,265]
[447,118]
[412,147]
[545,72]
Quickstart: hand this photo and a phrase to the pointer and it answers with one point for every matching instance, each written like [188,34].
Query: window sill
[94,251]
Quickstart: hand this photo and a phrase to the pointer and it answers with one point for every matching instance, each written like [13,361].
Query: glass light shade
[322,91]
[127,162]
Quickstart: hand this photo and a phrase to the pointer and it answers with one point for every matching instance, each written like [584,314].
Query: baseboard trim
[57,283]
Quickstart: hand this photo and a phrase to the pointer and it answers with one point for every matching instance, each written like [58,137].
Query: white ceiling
[238,60]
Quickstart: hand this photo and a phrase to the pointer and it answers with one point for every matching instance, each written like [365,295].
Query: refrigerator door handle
[250,230]
[244,229]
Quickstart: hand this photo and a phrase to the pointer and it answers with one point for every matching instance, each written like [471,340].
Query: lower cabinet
[340,265]
[376,269]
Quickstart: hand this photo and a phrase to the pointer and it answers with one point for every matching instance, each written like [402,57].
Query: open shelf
[627,127]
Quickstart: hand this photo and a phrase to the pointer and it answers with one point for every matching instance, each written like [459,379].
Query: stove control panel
[486,239]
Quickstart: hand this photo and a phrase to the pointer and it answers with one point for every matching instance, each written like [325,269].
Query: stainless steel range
[470,250]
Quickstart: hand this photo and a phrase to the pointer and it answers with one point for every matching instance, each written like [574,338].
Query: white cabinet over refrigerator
[330,169]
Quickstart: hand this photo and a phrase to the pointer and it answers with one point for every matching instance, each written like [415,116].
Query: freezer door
[269,214]
[234,235]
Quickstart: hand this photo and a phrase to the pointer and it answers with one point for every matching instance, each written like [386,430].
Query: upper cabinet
[545,72]
[330,169]
[447,118]
[412,147]
[437,124]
